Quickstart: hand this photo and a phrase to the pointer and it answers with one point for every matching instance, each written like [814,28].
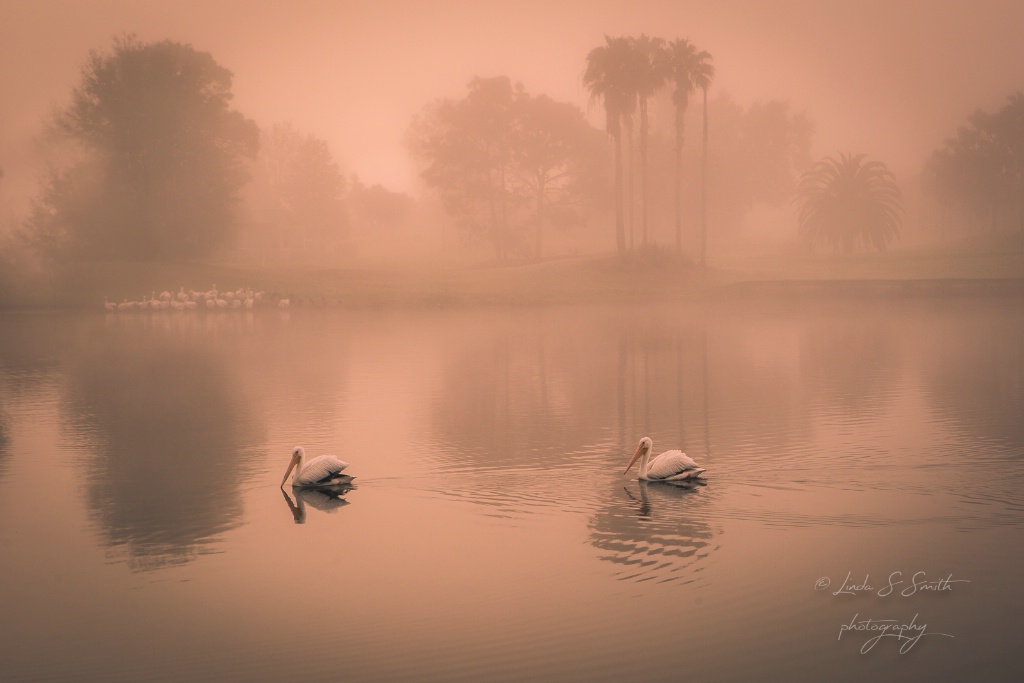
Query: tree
[756,161]
[465,146]
[982,167]
[703,75]
[160,157]
[687,69]
[847,202]
[608,78]
[297,197]
[650,74]
[377,210]
[501,160]
[555,151]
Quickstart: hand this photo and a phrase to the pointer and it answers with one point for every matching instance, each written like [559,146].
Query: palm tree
[649,73]
[847,202]
[687,69]
[607,78]
[702,78]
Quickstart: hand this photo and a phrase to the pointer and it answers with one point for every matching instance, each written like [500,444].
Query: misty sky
[891,78]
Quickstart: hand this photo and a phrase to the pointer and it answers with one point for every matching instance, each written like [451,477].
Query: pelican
[669,466]
[320,472]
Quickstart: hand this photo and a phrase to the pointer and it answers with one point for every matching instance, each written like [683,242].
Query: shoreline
[578,280]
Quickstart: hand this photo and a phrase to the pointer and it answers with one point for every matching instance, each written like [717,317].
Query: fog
[888,79]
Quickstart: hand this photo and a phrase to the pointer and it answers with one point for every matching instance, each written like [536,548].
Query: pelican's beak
[639,450]
[291,466]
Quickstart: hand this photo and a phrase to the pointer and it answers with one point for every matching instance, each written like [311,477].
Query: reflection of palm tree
[326,500]
[687,70]
[4,442]
[655,533]
[847,202]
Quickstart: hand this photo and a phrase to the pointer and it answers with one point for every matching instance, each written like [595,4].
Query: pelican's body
[669,466]
[320,472]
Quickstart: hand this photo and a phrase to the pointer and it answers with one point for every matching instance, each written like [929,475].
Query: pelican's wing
[320,468]
[672,464]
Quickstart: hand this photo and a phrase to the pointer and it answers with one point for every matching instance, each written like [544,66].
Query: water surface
[492,535]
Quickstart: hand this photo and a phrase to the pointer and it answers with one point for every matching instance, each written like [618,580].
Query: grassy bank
[571,280]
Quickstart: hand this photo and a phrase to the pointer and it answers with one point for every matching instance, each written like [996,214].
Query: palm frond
[848,203]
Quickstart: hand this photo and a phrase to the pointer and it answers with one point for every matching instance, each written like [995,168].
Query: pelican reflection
[656,531]
[663,489]
[325,499]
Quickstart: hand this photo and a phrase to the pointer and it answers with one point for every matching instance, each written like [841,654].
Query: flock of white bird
[211,299]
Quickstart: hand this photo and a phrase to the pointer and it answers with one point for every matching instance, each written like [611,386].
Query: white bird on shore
[669,466]
[320,472]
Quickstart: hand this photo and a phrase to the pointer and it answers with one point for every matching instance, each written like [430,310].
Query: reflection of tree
[849,361]
[539,400]
[572,381]
[503,401]
[654,531]
[974,372]
[5,440]
[168,431]
[30,347]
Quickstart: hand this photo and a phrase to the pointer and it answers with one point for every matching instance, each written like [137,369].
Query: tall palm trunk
[704,186]
[643,168]
[680,122]
[620,230]
[540,215]
[628,120]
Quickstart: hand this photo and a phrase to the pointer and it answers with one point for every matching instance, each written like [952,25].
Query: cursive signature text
[906,634]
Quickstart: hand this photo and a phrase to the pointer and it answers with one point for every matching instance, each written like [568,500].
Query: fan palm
[847,202]
[687,69]
[608,79]
[649,74]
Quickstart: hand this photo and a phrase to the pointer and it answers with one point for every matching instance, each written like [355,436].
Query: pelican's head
[642,448]
[297,455]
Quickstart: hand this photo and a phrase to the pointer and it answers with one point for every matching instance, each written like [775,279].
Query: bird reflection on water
[328,499]
[657,531]
[672,487]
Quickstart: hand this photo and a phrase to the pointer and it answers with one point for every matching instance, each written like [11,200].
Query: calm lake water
[492,535]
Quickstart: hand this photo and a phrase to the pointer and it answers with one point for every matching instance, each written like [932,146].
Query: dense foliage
[982,167]
[152,160]
[296,199]
[505,163]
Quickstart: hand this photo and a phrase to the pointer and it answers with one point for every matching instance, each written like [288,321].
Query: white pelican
[669,466]
[321,471]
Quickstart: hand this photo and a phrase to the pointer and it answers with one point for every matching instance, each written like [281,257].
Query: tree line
[152,162]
